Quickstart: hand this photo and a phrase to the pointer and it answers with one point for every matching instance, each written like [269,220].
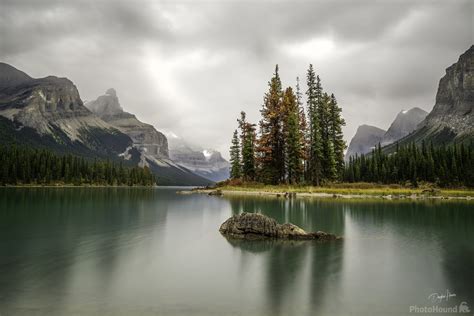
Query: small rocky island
[259,226]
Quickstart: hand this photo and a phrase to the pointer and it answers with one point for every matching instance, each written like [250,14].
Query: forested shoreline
[445,166]
[20,165]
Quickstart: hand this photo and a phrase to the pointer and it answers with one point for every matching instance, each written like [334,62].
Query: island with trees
[299,147]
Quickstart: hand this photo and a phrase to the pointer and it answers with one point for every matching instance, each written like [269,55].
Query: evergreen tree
[235,170]
[247,139]
[336,136]
[328,160]
[270,146]
[248,153]
[314,96]
[242,121]
[294,143]
[303,126]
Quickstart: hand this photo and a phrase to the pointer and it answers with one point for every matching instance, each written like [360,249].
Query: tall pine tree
[270,146]
[235,163]
[303,126]
[315,155]
[294,139]
[336,122]
[328,157]
[247,139]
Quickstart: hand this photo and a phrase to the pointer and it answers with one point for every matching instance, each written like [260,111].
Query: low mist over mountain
[144,136]
[364,140]
[207,163]
[152,144]
[405,123]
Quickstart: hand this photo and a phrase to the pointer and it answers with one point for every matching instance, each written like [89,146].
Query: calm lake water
[122,251]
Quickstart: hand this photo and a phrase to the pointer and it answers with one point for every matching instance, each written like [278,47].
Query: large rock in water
[257,226]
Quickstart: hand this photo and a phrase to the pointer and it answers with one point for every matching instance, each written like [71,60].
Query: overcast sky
[190,67]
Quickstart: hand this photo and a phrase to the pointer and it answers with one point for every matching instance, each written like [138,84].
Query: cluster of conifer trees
[444,165]
[293,144]
[23,165]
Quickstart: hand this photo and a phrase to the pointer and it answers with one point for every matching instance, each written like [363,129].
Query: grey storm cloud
[191,66]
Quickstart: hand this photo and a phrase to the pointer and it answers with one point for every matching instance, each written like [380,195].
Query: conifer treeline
[444,165]
[22,165]
[294,144]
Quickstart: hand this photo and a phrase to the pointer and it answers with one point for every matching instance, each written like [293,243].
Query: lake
[139,251]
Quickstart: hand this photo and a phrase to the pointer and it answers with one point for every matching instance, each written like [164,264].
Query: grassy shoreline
[350,190]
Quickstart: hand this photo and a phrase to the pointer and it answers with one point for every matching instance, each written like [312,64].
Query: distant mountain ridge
[405,123]
[367,137]
[207,163]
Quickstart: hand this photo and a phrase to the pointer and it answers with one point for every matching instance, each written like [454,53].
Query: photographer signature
[439,297]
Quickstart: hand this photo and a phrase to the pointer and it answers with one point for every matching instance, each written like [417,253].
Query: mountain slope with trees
[452,118]
[48,113]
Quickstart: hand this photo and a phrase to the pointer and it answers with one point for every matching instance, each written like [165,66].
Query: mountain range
[49,113]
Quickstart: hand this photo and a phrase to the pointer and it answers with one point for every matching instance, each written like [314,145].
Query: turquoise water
[122,251]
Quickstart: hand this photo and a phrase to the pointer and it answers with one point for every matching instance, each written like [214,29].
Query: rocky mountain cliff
[452,117]
[151,144]
[207,163]
[365,138]
[49,112]
[405,123]
[145,137]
